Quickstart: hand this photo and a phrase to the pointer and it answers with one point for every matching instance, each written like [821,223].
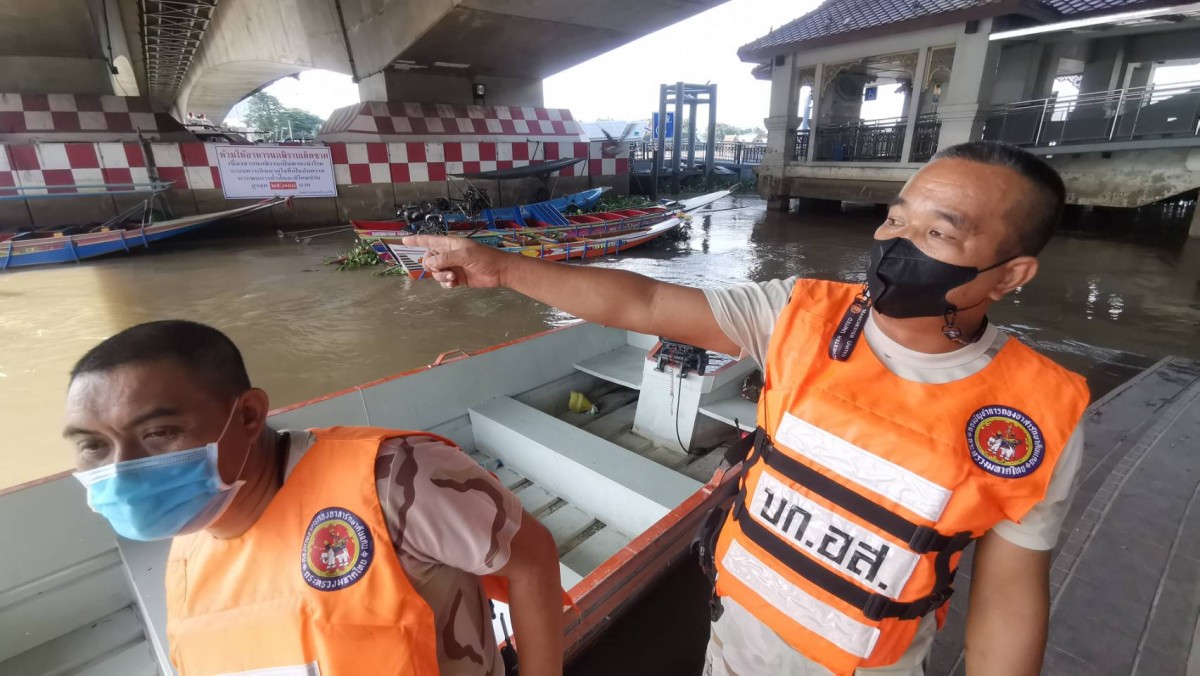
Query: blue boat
[580,200]
[488,218]
[47,248]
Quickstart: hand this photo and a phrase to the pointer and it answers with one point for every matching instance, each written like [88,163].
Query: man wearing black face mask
[896,426]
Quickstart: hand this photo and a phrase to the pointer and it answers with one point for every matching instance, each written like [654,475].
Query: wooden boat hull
[76,248]
[393,253]
[502,217]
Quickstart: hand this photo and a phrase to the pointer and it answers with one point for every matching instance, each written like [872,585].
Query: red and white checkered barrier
[394,121]
[75,117]
[61,168]
[65,168]
[361,163]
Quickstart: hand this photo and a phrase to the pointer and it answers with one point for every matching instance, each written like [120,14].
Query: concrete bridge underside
[396,48]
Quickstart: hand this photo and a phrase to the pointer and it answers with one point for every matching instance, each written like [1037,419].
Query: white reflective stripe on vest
[838,543]
[810,612]
[907,488]
[310,669]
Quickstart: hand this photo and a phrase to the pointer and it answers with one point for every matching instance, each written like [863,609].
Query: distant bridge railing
[737,152]
[867,140]
[1136,113]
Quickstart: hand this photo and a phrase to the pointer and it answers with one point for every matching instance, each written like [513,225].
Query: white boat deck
[622,366]
[734,411]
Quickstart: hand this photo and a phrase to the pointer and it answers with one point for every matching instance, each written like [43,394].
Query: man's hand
[459,261]
[1010,598]
[535,596]
[616,298]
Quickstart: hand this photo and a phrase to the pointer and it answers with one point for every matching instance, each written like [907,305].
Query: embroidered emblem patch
[338,549]
[1005,441]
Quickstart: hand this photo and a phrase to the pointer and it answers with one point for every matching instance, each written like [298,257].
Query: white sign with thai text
[275,171]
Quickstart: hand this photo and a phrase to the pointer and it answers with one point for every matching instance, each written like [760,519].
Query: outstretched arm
[1009,610]
[535,595]
[617,298]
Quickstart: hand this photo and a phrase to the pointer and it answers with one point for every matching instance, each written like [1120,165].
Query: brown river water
[306,329]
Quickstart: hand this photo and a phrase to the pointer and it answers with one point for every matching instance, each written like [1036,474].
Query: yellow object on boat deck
[580,404]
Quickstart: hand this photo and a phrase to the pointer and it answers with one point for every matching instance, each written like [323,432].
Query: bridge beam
[420,87]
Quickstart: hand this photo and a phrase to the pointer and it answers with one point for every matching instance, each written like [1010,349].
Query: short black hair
[203,350]
[1046,209]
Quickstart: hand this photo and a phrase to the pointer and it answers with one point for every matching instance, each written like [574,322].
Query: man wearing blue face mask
[896,426]
[343,550]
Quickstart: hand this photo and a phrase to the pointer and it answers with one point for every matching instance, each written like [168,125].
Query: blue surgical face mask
[164,495]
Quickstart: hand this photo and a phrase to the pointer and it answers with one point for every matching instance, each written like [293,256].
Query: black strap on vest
[704,544]
[874,606]
[922,539]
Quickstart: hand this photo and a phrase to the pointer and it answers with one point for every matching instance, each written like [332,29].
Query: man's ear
[253,415]
[1014,274]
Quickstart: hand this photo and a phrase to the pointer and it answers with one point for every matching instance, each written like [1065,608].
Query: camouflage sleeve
[444,509]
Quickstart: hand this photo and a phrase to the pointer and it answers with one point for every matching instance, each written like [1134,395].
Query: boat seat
[623,366]
[732,409]
[625,490]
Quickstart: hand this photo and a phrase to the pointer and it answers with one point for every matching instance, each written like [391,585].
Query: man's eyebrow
[898,201]
[71,430]
[956,220]
[160,412]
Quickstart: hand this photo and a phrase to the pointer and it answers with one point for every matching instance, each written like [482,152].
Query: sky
[623,84]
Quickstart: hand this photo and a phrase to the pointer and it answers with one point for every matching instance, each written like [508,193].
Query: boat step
[622,366]
[594,551]
[566,523]
[613,484]
[735,408]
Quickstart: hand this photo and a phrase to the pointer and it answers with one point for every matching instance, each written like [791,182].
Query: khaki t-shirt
[741,645]
[450,522]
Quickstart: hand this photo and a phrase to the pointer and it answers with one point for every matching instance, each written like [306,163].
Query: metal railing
[736,152]
[871,141]
[1166,111]
[801,149]
[925,137]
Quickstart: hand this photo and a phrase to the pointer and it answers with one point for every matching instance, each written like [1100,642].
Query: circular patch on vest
[1005,441]
[338,549]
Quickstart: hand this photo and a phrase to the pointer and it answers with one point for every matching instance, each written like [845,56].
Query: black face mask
[904,282]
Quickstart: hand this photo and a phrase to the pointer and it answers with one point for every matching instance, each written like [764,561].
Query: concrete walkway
[1125,586]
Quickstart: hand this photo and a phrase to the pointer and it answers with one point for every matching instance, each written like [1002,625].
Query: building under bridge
[1107,90]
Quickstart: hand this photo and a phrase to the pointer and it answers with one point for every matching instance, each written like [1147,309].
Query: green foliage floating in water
[614,202]
[361,256]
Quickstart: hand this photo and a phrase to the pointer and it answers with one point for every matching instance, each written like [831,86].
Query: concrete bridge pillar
[1194,230]
[419,87]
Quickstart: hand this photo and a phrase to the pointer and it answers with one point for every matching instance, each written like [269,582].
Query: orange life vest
[314,585]
[863,488]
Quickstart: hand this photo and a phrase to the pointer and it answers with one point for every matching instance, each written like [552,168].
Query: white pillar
[970,85]
[814,120]
[914,104]
[783,118]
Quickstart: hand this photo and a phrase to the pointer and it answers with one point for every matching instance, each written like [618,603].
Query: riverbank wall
[71,159]
[63,183]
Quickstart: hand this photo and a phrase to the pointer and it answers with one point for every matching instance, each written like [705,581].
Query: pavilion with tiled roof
[1043,74]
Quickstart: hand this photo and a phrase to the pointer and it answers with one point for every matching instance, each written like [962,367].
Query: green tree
[303,123]
[265,114]
[262,112]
